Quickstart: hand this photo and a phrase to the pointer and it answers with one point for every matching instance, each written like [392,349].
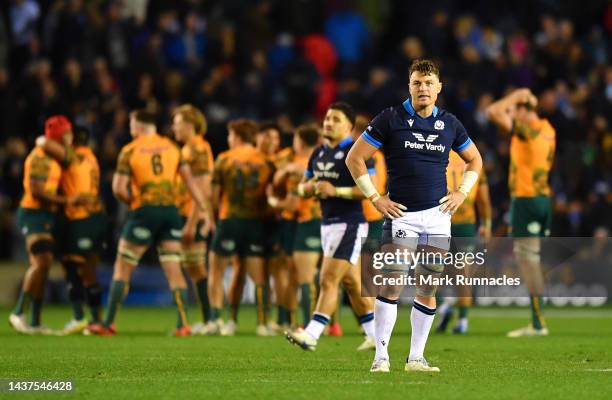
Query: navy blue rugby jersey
[416,152]
[329,164]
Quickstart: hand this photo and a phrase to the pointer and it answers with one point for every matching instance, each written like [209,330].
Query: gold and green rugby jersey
[152,162]
[243,174]
[532,151]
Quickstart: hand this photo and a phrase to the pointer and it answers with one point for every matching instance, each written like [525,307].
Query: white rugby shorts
[343,240]
[429,227]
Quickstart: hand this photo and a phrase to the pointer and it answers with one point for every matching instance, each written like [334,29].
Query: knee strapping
[193,257]
[396,268]
[425,277]
[129,257]
[428,269]
[42,246]
[529,251]
[169,255]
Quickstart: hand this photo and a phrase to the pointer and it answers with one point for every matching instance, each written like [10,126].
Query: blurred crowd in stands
[287,61]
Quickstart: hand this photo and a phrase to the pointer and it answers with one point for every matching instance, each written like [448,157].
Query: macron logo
[325,166]
[410,122]
[428,139]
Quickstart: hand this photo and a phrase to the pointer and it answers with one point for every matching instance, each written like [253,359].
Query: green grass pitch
[143,362]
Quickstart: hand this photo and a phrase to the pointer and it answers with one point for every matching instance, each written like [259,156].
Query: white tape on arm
[344,192]
[365,184]
[467,183]
[273,201]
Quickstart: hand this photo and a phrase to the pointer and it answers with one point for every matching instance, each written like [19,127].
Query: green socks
[77,310]
[282,317]
[22,302]
[93,294]
[201,288]
[115,298]
[215,313]
[36,311]
[181,300]
[537,319]
[76,291]
[260,301]
[306,293]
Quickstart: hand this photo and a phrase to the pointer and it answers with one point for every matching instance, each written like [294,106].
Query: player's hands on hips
[388,207]
[324,190]
[451,202]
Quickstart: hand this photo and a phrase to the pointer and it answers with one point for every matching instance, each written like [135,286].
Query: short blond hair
[194,116]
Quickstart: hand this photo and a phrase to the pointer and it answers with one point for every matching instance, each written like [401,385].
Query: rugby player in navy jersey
[416,138]
[343,226]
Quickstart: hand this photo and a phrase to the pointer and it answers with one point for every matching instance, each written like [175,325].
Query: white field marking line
[599,370]
[548,313]
[366,382]
[265,381]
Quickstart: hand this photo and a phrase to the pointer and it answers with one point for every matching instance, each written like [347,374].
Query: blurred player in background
[374,217]
[416,138]
[306,246]
[240,178]
[37,217]
[267,142]
[343,227]
[82,229]
[532,151]
[463,229]
[145,179]
[280,198]
[189,127]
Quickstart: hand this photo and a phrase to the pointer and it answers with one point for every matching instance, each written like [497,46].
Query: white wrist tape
[273,201]
[467,183]
[344,192]
[365,184]
[300,190]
